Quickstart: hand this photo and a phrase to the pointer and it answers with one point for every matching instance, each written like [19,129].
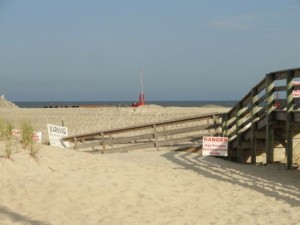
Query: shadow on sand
[273,180]
[15,217]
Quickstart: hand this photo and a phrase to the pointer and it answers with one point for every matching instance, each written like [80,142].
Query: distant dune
[6,104]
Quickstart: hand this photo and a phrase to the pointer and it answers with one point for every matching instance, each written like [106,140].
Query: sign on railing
[296,93]
[216,146]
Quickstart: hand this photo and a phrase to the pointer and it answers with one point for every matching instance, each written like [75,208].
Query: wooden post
[269,118]
[253,125]
[103,142]
[155,137]
[238,128]
[289,119]
[224,124]
[214,118]
[75,142]
[110,140]
[164,131]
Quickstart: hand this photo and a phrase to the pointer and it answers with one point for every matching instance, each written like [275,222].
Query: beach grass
[6,128]
[26,134]
[27,140]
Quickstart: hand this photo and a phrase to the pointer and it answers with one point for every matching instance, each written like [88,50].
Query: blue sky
[187,50]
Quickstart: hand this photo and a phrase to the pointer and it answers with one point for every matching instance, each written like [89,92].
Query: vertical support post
[289,119]
[155,137]
[164,131]
[269,118]
[224,124]
[254,104]
[103,142]
[75,142]
[214,118]
[238,128]
[110,140]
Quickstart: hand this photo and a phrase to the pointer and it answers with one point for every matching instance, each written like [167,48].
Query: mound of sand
[6,104]
[143,187]
[63,186]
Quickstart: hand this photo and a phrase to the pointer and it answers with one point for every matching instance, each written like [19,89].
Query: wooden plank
[261,86]
[246,100]
[259,134]
[231,122]
[282,74]
[130,139]
[185,130]
[92,144]
[279,88]
[131,147]
[171,143]
[297,72]
[262,99]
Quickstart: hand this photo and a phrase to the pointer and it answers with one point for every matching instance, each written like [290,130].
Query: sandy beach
[67,187]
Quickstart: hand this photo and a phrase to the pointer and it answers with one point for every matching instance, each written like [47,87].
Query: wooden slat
[279,88]
[190,141]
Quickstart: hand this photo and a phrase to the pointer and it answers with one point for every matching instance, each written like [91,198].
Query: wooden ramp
[177,133]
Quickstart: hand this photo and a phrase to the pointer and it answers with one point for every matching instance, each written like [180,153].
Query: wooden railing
[259,105]
[258,110]
[174,132]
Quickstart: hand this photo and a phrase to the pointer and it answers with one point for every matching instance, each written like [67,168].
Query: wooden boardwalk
[256,125]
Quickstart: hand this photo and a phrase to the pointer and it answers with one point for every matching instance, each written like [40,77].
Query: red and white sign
[216,146]
[296,93]
[36,136]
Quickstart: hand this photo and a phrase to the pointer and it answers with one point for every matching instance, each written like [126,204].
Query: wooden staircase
[258,129]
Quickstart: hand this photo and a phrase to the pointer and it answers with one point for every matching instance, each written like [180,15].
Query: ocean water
[43,104]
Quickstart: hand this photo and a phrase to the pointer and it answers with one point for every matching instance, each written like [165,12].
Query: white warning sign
[56,133]
[216,146]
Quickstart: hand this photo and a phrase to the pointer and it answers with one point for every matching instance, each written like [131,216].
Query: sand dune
[141,187]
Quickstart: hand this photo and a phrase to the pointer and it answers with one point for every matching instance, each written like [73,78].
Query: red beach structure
[141,95]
